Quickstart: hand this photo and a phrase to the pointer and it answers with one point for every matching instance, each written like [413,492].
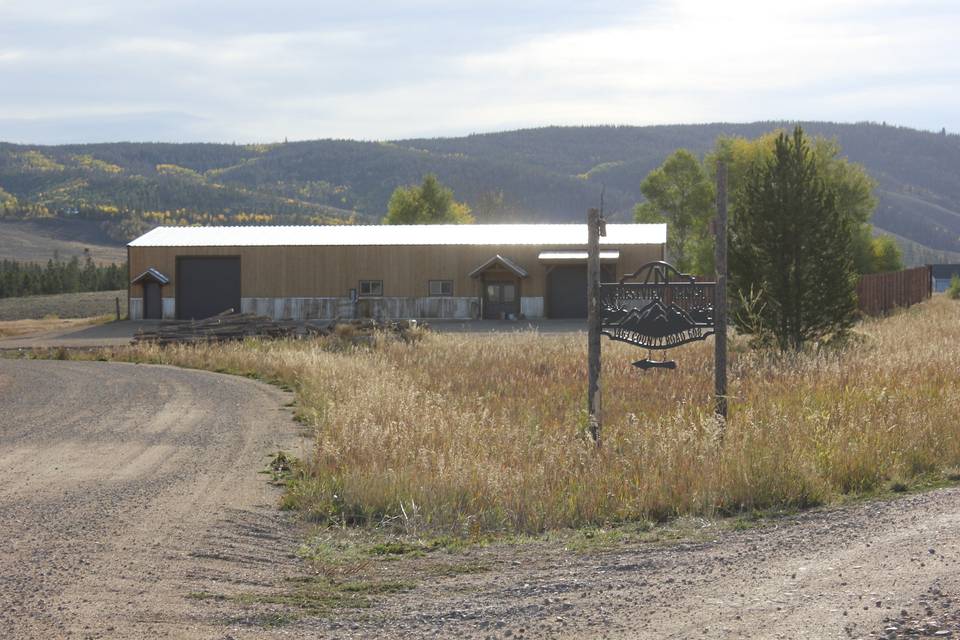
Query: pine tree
[791,251]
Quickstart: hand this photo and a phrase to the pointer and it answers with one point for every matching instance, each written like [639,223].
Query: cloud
[246,70]
[704,61]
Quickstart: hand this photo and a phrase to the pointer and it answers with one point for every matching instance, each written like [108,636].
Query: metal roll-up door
[207,286]
[567,291]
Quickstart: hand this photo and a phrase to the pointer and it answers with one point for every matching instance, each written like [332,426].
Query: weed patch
[307,596]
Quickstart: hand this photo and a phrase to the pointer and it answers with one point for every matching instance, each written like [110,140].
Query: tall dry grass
[472,434]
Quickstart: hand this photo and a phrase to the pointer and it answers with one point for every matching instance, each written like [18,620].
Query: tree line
[59,276]
[799,229]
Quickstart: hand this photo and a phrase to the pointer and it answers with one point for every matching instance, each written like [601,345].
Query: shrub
[953,291]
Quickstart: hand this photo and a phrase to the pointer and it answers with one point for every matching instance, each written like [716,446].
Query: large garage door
[207,286]
[567,289]
[567,292]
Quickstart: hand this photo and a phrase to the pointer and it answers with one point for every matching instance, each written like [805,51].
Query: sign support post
[594,231]
[720,294]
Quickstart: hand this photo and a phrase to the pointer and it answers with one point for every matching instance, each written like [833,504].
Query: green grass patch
[309,596]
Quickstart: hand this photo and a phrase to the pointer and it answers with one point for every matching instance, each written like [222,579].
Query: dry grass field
[471,435]
[63,305]
[37,240]
[14,328]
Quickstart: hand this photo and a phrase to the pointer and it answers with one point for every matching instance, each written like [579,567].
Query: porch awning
[151,274]
[575,256]
[499,260]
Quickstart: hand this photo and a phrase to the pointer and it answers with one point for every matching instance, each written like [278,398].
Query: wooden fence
[881,292]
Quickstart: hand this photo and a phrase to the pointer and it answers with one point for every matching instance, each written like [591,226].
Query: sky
[265,71]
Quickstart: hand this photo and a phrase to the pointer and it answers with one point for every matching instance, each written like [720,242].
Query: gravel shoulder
[884,569]
[125,488]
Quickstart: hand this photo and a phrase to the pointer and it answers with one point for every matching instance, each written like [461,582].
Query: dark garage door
[207,286]
[567,289]
[567,292]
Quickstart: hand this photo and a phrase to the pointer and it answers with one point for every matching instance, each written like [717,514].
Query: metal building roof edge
[396,235]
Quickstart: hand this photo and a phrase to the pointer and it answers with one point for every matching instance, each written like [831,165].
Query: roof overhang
[151,274]
[499,260]
[568,257]
[566,236]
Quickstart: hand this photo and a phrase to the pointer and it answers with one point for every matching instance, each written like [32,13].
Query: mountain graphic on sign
[656,320]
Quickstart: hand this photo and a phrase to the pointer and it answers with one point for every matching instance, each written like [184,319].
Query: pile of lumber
[223,328]
[237,326]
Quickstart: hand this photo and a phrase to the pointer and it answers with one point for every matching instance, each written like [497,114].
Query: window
[501,293]
[441,287]
[371,288]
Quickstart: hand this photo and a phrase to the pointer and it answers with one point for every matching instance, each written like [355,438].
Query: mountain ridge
[547,174]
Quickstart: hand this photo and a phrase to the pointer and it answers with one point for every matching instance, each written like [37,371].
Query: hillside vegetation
[548,174]
[40,239]
[399,446]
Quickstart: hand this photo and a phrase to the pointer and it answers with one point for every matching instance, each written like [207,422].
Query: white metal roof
[574,256]
[381,235]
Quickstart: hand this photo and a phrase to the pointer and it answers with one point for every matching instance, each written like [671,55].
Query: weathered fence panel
[879,293]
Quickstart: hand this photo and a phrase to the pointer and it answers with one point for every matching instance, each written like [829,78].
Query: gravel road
[125,488]
[873,570]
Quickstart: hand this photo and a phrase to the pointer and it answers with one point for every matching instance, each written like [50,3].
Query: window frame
[361,294]
[430,292]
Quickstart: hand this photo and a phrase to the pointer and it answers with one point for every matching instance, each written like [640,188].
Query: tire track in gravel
[124,488]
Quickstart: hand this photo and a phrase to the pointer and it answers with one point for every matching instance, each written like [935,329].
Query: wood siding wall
[879,293]
[285,272]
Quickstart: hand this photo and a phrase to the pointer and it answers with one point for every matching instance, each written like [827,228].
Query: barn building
[417,271]
[942,274]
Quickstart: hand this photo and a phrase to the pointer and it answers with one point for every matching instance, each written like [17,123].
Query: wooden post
[117,300]
[720,295]
[593,321]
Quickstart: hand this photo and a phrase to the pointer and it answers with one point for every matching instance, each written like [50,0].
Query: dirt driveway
[124,488]
[130,507]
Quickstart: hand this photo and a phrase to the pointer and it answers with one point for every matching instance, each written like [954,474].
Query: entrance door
[152,304]
[499,299]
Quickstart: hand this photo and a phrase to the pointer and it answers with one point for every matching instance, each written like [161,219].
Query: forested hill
[548,174]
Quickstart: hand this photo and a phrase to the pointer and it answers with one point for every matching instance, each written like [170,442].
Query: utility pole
[595,229]
[720,294]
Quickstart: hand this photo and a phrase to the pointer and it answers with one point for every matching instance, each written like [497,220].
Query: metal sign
[657,307]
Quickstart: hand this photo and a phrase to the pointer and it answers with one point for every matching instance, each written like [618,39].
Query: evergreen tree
[791,251]
[57,276]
